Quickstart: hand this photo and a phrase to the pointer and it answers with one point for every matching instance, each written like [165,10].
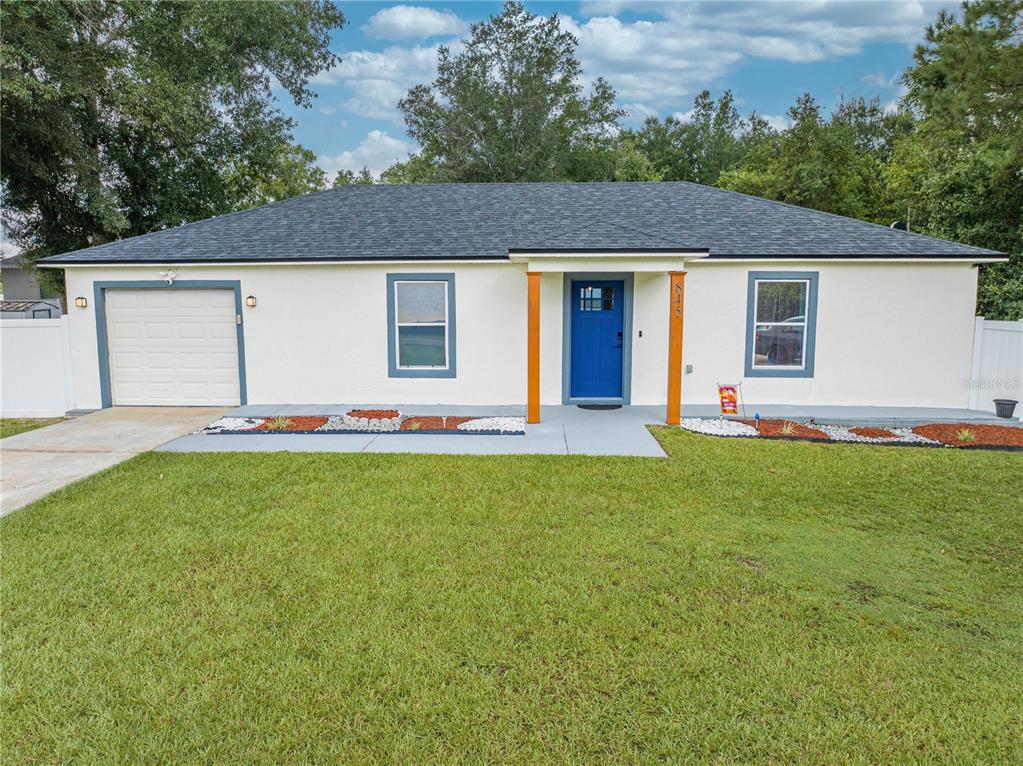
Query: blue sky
[657,55]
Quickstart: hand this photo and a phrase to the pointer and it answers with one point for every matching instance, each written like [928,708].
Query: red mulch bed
[452,422]
[423,423]
[873,433]
[373,414]
[983,435]
[775,428]
[295,424]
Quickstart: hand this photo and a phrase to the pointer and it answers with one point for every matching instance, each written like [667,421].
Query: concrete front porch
[563,430]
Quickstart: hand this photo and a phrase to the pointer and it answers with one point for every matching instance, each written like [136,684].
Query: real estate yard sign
[728,395]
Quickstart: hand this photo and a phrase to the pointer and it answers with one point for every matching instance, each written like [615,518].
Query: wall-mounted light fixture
[251,301]
[81,302]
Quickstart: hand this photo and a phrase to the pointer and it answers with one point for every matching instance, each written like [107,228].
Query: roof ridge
[580,227]
[621,225]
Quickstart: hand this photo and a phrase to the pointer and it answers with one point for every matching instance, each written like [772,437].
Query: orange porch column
[533,343]
[676,307]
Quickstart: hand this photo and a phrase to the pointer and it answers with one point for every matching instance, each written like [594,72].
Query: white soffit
[609,262]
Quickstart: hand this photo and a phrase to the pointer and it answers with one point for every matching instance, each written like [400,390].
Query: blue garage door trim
[99,298]
[566,337]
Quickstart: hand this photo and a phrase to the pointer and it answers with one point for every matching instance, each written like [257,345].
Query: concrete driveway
[38,462]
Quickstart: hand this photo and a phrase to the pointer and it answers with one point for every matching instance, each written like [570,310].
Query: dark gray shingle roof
[485,221]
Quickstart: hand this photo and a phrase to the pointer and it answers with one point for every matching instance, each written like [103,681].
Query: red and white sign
[728,395]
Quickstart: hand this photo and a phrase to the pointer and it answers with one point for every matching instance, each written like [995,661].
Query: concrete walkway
[563,431]
[35,463]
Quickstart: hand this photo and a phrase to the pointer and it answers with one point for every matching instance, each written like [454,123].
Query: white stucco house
[642,293]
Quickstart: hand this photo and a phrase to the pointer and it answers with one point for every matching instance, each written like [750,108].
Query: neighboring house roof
[26,305]
[486,221]
[14,261]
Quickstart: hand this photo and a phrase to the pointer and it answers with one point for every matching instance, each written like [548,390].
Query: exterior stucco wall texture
[887,334]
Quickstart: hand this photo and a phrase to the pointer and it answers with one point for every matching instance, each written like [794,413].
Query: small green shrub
[278,424]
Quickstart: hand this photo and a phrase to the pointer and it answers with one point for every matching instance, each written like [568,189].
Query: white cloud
[880,79]
[409,22]
[674,50]
[657,55]
[377,151]
[895,104]
[640,111]
[375,81]
[8,248]
[777,121]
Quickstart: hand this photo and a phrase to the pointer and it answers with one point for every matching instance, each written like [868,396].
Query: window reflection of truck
[781,343]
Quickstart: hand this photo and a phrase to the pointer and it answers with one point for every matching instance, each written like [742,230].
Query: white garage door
[172,347]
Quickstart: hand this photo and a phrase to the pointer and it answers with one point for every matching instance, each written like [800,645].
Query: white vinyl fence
[997,364]
[35,368]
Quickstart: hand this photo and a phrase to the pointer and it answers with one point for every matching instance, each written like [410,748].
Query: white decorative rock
[230,424]
[718,427]
[348,422]
[500,424]
[902,436]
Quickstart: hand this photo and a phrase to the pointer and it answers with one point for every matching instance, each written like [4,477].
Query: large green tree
[351,178]
[960,174]
[833,164]
[120,118]
[712,139]
[291,172]
[509,107]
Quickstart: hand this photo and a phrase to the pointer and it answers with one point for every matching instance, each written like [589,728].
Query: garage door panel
[223,390]
[118,299]
[157,330]
[133,389]
[193,360]
[127,360]
[125,329]
[192,299]
[221,330]
[190,330]
[172,347]
[223,299]
[159,361]
[157,299]
[223,362]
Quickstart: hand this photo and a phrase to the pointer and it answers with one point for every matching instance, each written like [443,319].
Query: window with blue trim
[420,325]
[781,324]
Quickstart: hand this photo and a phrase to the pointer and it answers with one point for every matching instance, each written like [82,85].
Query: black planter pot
[1005,407]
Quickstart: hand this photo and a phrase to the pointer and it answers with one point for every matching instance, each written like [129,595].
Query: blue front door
[597,326]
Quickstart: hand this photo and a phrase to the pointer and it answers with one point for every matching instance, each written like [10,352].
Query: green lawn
[742,601]
[12,426]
